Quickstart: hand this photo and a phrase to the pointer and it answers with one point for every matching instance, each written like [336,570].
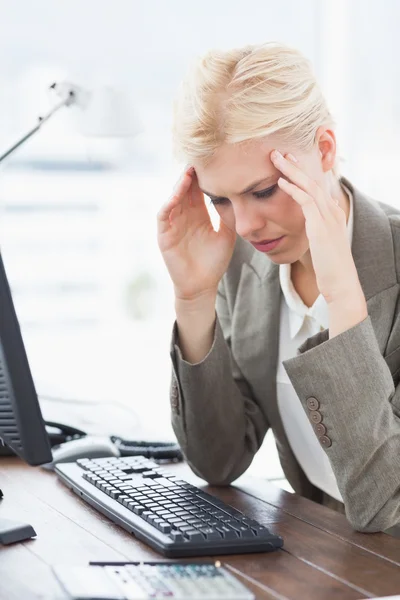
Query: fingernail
[277,155]
[190,170]
[292,158]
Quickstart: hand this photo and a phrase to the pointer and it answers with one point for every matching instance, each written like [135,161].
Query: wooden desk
[322,557]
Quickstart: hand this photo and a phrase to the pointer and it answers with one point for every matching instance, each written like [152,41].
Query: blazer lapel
[255,326]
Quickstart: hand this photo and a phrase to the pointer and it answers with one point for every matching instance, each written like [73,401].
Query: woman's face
[265,212]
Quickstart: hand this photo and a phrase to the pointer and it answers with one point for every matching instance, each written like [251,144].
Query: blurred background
[78,213]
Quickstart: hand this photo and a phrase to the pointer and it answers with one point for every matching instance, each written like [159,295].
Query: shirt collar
[298,311]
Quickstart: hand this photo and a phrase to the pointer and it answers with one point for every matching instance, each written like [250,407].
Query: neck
[304,265]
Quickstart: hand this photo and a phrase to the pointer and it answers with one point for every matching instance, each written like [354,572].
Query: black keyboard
[172,516]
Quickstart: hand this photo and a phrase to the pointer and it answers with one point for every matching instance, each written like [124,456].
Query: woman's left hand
[336,274]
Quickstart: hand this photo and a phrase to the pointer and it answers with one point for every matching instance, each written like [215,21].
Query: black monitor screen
[21,423]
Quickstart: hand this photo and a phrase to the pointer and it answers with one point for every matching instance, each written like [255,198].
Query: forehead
[235,166]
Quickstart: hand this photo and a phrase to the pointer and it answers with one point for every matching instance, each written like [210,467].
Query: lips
[268,246]
[267,241]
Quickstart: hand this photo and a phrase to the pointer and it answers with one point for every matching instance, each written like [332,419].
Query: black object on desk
[21,423]
[172,516]
[60,433]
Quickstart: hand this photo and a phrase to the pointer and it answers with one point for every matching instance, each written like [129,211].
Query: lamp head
[105,111]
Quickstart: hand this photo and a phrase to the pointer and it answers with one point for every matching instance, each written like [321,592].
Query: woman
[288,316]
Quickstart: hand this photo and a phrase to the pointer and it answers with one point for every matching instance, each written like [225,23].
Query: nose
[247,220]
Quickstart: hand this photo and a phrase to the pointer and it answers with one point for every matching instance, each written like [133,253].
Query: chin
[280,259]
[286,258]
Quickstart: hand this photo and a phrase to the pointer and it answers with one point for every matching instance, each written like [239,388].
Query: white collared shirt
[297,323]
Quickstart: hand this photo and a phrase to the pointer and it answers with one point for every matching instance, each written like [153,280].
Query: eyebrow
[246,190]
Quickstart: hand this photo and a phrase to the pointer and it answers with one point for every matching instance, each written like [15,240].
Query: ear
[325,140]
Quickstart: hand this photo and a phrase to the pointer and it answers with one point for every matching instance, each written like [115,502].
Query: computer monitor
[21,424]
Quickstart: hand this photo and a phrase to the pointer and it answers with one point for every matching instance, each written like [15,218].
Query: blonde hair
[244,94]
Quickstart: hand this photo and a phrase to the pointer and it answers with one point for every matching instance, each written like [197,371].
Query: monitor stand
[14,531]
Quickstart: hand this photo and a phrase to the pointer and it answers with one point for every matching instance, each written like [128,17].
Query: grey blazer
[223,406]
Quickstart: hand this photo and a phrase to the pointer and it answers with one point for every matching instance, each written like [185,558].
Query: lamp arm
[65,102]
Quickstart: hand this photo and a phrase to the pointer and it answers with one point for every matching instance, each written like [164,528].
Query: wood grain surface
[322,558]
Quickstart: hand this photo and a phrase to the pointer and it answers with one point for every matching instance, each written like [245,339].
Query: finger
[168,217]
[196,195]
[179,193]
[183,184]
[184,188]
[174,215]
[173,204]
[291,170]
[186,171]
[163,213]
[166,208]
[163,221]
[322,199]
[288,165]
[309,207]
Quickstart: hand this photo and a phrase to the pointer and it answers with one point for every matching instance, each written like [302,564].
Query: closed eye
[266,193]
[261,194]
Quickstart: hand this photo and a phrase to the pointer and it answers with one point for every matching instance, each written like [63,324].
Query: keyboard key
[122,498]
[103,486]
[262,531]
[210,533]
[164,527]
[182,513]
[152,519]
[138,510]
[186,528]
[149,504]
[193,534]
[151,474]
[185,484]
[167,517]
[177,536]
[227,533]
[166,483]
[242,530]
[212,523]
[146,514]
[137,496]
[194,521]
[177,524]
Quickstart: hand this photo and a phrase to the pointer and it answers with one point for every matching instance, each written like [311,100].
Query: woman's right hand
[195,254]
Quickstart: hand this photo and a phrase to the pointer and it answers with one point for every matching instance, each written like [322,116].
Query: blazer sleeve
[215,416]
[348,392]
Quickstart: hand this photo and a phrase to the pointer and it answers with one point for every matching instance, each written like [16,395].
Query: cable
[60,433]
[156,450]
